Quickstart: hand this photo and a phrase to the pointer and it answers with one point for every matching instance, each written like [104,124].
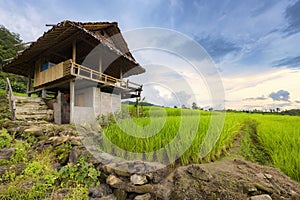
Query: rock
[120,194]
[260,175]
[57,140]
[115,182]
[261,197]
[143,197]
[197,172]
[276,197]
[150,176]
[6,153]
[140,189]
[268,176]
[264,188]
[109,197]
[163,190]
[122,173]
[249,188]
[138,179]
[8,124]
[74,154]
[34,130]
[100,191]
[17,168]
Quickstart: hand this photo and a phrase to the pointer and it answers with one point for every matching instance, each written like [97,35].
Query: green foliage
[5,139]
[62,152]
[81,173]
[8,43]
[18,83]
[20,154]
[37,180]
[78,192]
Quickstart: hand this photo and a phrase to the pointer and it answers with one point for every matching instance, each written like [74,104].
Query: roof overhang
[63,34]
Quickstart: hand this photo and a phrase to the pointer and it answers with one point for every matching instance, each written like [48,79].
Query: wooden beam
[59,55]
[74,51]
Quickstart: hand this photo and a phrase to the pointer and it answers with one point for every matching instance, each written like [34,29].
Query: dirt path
[232,177]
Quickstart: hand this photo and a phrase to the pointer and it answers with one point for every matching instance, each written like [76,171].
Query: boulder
[138,179]
[261,197]
[120,194]
[34,130]
[115,182]
[146,196]
[108,197]
[140,189]
[100,191]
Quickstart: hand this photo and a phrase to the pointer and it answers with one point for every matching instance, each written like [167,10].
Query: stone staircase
[31,108]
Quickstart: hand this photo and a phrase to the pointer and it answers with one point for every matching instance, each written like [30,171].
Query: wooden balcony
[69,69]
[53,73]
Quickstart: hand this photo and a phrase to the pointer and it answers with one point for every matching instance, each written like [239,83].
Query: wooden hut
[84,64]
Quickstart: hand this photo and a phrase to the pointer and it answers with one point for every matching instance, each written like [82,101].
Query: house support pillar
[72,100]
[28,85]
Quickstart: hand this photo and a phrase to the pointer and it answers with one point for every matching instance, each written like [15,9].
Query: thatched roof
[56,45]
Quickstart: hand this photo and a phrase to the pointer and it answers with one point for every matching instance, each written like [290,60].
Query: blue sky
[254,44]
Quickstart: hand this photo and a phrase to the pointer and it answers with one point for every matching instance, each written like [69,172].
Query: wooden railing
[90,74]
[11,99]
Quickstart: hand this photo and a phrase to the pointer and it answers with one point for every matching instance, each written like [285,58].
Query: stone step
[31,117]
[30,99]
[31,112]
[32,106]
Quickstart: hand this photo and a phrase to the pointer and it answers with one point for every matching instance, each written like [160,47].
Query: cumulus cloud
[280,95]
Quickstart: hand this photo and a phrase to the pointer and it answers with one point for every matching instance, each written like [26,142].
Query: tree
[10,44]
[194,106]
[183,106]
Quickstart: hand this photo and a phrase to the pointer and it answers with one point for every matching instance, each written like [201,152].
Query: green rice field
[169,134]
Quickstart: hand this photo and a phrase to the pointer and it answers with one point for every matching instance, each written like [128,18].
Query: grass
[280,136]
[267,139]
[2,92]
[169,134]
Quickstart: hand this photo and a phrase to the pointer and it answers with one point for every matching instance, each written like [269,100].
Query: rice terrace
[149,100]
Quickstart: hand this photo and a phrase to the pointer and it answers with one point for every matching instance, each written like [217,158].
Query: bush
[81,173]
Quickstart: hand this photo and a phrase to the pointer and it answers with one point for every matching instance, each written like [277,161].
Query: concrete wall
[110,103]
[84,97]
[90,103]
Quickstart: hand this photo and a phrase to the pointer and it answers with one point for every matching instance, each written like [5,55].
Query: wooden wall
[51,74]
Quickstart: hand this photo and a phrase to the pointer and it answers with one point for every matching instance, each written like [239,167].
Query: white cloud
[250,86]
